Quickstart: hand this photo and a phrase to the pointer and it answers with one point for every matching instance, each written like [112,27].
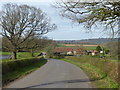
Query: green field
[5,53]
[20,55]
[90,47]
[23,55]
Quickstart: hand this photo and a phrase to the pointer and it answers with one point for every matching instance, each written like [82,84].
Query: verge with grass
[102,73]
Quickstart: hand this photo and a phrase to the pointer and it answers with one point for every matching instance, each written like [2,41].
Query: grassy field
[90,47]
[20,55]
[5,53]
[23,55]
[102,73]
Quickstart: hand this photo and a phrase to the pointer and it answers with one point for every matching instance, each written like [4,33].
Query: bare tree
[92,13]
[50,48]
[34,44]
[31,44]
[114,48]
[21,22]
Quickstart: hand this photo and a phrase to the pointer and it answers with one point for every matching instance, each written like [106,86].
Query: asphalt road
[54,74]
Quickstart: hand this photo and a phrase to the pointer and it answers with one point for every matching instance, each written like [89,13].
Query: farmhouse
[63,49]
[70,51]
[94,52]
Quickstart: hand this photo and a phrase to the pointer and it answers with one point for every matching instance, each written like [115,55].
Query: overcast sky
[66,30]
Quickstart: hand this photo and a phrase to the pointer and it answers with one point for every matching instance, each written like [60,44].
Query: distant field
[88,47]
[78,45]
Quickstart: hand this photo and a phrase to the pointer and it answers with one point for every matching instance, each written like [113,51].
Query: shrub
[10,66]
[98,48]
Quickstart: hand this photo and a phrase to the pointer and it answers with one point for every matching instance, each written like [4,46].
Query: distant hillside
[87,41]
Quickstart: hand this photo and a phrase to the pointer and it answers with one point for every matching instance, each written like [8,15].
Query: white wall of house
[93,54]
[101,51]
[69,53]
[74,52]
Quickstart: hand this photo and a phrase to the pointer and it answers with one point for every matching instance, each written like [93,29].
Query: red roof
[95,51]
[64,49]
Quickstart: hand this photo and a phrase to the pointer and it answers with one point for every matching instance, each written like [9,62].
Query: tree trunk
[14,55]
[32,52]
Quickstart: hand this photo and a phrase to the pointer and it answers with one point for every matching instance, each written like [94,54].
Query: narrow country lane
[54,74]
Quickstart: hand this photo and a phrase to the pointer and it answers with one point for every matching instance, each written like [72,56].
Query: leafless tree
[21,22]
[50,48]
[36,44]
[92,13]
[114,48]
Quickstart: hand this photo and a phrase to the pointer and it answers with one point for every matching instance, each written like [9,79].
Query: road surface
[54,74]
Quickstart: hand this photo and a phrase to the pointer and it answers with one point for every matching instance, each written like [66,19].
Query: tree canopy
[98,48]
[92,13]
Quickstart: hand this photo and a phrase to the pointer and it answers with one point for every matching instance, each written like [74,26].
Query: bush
[114,50]
[98,48]
[59,56]
[10,66]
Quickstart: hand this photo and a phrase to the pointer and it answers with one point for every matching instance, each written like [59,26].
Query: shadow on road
[64,81]
[58,82]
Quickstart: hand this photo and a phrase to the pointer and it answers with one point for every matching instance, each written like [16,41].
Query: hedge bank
[12,70]
[106,68]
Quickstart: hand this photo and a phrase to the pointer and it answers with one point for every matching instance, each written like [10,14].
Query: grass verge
[20,72]
[98,77]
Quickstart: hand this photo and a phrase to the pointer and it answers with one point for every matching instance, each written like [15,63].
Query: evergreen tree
[98,48]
